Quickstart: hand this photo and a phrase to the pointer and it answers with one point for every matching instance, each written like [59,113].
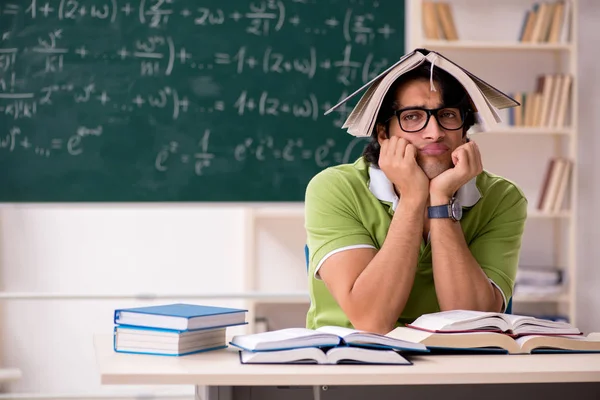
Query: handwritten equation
[259,149]
[101,75]
[260,18]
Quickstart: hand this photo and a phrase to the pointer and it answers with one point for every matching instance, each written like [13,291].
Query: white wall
[189,249]
[102,249]
[588,298]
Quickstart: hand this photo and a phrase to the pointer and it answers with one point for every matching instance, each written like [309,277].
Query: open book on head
[493,341]
[485,99]
[315,355]
[326,336]
[515,325]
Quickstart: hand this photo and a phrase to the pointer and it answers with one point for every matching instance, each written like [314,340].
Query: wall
[588,299]
[188,249]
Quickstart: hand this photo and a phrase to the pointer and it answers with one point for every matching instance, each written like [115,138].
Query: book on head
[315,355]
[141,340]
[515,325]
[326,336]
[494,341]
[485,99]
[180,316]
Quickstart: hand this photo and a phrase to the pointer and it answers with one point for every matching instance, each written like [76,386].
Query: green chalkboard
[182,100]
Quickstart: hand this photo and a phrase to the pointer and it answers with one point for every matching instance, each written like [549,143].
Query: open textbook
[326,336]
[485,99]
[514,325]
[335,355]
[488,341]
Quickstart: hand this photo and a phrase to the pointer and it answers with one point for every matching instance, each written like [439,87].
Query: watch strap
[442,211]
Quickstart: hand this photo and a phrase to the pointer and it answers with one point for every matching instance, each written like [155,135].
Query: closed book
[180,316]
[142,340]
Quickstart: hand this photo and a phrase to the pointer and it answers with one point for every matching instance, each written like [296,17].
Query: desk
[221,370]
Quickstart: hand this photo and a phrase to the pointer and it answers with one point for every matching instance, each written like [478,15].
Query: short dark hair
[453,93]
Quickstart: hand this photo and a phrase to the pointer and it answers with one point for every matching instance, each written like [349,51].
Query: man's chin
[434,169]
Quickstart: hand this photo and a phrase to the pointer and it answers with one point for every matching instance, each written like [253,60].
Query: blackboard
[182,100]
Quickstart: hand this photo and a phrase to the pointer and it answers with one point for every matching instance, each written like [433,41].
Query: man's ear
[465,138]
[382,133]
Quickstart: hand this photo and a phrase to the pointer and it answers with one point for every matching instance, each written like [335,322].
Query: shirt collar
[468,195]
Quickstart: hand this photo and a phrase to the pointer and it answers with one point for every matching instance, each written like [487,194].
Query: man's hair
[453,94]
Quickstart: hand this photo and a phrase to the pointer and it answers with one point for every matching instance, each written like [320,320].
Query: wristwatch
[452,210]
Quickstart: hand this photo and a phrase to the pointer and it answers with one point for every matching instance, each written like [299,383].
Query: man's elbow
[371,321]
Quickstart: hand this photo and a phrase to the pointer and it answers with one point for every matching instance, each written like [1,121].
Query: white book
[486,99]
[313,355]
[474,321]
[490,341]
[325,336]
[132,339]
[562,186]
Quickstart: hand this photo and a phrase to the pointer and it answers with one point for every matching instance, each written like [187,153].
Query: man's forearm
[460,283]
[381,290]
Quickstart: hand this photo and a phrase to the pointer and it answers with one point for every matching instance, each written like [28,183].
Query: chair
[508,307]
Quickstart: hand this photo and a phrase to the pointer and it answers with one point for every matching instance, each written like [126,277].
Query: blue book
[181,317]
[166,342]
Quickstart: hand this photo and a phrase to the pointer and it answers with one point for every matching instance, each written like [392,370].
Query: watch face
[456,210]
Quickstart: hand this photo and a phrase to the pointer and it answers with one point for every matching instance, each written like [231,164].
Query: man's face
[434,144]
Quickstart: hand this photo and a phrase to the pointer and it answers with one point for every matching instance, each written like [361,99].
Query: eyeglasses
[414,119]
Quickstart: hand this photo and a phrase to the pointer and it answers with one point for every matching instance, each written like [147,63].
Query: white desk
[223,369]
[10,374]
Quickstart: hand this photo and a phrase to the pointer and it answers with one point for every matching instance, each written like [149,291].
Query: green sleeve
[498,246]
[331,217]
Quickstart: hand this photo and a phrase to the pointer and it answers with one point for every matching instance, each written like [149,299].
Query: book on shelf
[315,355]
[180,316]
[168,342]
[554,185]
[547,22]
[540,276]
[456,321]
[547,106]
[485,342]
[438,21]
[486,100]
[325,336]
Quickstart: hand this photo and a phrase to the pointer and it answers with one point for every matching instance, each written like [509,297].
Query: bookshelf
[550,236]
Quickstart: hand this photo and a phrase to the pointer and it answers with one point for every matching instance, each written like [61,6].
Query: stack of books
[325,345]
[484,332]
[174,329]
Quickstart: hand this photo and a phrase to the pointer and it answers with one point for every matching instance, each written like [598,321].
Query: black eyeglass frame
[430,111]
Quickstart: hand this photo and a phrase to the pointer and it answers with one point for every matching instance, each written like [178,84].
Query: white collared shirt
[468,195]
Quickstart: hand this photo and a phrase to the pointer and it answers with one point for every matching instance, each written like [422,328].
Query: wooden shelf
[541,298]
[291,211]
[540,214]
[523,130]
[287,298]
[494,45]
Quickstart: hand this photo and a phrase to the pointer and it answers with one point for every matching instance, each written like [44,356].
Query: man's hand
[467,164]
[398,160]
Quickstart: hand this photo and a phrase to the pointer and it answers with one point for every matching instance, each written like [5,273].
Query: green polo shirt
[351,206]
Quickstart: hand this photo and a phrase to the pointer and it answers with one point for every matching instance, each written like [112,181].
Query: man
[386,238]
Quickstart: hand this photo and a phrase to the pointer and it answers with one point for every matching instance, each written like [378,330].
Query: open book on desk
[483,342]
[315,355]
[473,321]
[325,336]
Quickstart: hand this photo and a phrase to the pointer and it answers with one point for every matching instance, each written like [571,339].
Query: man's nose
[433,130]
